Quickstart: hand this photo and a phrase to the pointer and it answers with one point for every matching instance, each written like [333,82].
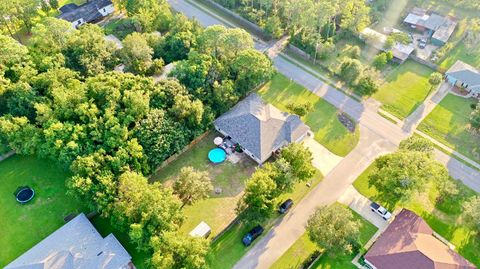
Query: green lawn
[323,120]
[3,149]
[24,226]
[460,52]
[119,28]
[228,248]
[444,217]
[405,88]
[449,124]
[218,210]
[303,248]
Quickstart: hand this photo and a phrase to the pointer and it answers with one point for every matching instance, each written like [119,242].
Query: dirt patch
[346,121]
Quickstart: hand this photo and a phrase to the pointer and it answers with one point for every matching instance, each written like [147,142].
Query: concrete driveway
[360,204]
[323,159]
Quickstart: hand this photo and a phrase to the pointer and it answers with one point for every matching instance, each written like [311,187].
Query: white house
[91,11]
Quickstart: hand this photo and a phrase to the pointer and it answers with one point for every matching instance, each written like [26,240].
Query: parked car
[285,206]
[252,235]
[422,43]
[380,210]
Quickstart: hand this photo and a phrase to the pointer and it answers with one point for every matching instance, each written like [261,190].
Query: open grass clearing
[449,124]
[23,226]
[228,248]
[322,119]
[303,248]
[444,217]
[461,52]
[405,88]
[218,210]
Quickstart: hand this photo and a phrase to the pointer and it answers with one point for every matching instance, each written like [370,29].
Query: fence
[299,52]
[424,62]
[237,19]
[175,156]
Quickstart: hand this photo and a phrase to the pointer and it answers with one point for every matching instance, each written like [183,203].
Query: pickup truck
[380,210]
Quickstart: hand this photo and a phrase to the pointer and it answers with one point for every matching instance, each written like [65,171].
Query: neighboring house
[259,128]
[464,76]
[437,27]
[377,40]
[409,242]
[76,245]
[91,11]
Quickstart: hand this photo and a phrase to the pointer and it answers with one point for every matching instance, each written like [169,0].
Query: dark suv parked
[252,235]
[285,206]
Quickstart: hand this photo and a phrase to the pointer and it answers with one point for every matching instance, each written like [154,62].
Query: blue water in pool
[217,155]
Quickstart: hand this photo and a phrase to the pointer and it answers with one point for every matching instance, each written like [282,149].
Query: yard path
[377,136]
[7,155]
[323,159]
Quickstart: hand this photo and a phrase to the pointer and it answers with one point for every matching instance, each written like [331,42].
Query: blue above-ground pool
[217,155]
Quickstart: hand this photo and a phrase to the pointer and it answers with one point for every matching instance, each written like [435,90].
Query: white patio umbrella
[218,140]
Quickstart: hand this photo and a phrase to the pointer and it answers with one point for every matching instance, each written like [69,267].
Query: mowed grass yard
[218,210]
[322,119]
[303,248]
[23,226]
[461,52]
[443,217]
[405,88]
[449,124]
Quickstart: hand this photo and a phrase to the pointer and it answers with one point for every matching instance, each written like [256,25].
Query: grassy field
[443,217]
[406,87]
[303,248]
[228,248]
[322,119]
[449,124]
[460,52]
[119,28]
[24,226]
[218,210]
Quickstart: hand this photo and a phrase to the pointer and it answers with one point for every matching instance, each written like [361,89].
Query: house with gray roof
[260,128]
[91,11]
[438,27]
[464,76]
[75,245]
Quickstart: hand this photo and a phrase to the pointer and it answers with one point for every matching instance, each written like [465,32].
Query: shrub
[301,109]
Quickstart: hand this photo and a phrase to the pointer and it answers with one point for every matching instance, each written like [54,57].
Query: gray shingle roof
[466,74]
[433,22]
[88,11]
[260,128]
[76,245]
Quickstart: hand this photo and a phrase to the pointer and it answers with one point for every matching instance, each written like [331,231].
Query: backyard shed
[202,230]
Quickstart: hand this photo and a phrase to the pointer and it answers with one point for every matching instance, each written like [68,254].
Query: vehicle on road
[252,235]
[285,206]
[380,210]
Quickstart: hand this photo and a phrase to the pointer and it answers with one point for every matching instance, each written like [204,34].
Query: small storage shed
[202,230]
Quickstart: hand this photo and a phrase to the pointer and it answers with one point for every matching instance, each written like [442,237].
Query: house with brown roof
[409,242]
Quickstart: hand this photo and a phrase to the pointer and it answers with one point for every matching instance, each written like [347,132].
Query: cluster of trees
[408,171]
[364,80]
[475,118]
[294,164]
[59,99]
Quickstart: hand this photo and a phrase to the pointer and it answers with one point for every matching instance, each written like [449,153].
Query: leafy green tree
[54,4]
[471,212]
[435,79]
[45,6]
[249,69]
[380,60]
[15,63]
[181,38]
[400,174]
[258,201]
[300,159]
[273,27]
[355,15]
[367,85]
[160,137]
[191,185]
[177,251]
[88,52]
[223,96]
[334,229]
[143,209]
[20,99]
[224,43]
[21,135]
[351,70]
[136,54]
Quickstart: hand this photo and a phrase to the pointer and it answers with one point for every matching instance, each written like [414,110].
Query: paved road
[378,136]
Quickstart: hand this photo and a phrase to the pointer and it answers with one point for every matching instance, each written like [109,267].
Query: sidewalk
[7,155]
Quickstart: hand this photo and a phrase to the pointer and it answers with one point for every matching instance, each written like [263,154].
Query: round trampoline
[24,194]
[217,155]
